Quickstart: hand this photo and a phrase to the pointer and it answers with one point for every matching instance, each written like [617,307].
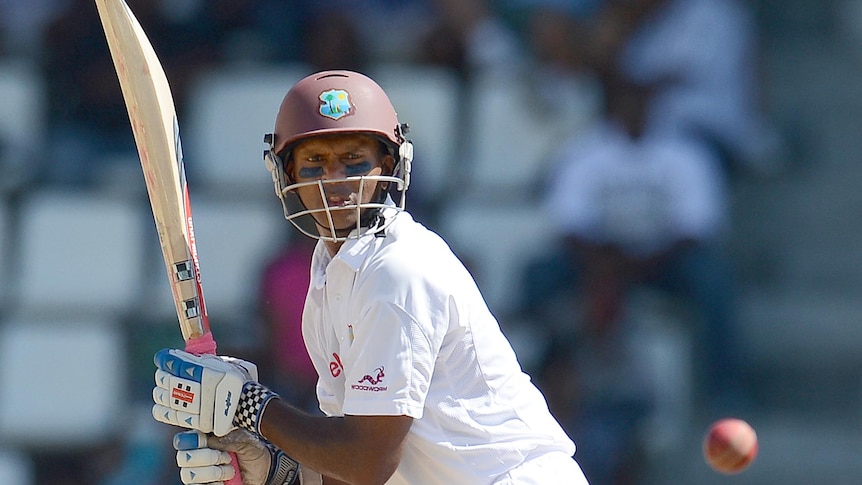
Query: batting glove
[209,393]
[204,458]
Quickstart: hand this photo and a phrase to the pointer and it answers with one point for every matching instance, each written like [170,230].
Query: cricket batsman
[417,382]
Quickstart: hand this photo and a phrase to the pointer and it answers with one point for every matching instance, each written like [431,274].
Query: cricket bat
[154,123]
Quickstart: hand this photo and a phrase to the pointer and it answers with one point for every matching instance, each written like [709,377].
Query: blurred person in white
[634,207]
[705,54]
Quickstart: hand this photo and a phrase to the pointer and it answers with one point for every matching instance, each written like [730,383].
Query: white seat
[15,468]
[496,240]
[515,125]
[230,111]
[5,239]
[61,381]
[427,99]
[79,253]
[22,100]
[234,238]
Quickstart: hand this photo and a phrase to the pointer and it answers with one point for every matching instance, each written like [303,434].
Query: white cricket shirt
[395,325]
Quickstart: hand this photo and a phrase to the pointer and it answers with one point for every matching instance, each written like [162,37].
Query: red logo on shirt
[335,366]
[378,377]
[372,381]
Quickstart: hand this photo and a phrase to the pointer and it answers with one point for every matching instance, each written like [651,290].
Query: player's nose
[334,171]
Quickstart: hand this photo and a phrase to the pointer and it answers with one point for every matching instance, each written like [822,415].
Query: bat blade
[154,123]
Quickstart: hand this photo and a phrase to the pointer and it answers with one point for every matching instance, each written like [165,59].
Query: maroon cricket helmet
[332,102]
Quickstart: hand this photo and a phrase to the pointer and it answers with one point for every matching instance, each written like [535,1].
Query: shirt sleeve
[389,365]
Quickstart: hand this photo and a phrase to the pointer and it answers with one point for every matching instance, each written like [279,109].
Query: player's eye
[360,168]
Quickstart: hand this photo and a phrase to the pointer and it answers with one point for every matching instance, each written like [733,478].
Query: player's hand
[204,459]
[198,463]
[209,393]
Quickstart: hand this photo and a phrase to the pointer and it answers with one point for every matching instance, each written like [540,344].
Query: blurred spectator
[283,286]
[471,36]
[259,31]
[555,37]
[386,30]
[88,122]
[391,29]
[23,24]
[580,9]
[561,73]
[332,40]
[635,207]
[704,54]
[86,114]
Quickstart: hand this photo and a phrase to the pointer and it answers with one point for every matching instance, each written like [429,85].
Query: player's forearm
[332,481]
[337,447]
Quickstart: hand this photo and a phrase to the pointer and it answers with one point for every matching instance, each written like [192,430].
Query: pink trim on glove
[205,344]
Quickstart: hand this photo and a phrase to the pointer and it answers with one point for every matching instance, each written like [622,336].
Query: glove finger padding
[199,392]
[202,457]
[207,474]
[199,464]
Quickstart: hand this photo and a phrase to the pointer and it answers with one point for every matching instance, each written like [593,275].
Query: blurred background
[659,199]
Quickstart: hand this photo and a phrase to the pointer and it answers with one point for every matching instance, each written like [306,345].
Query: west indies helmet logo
[335,104]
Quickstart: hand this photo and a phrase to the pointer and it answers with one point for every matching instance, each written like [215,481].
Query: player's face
[332,159]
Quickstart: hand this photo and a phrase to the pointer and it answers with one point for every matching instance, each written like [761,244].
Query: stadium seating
[78,253]
[61,381]
[234,237]
[230,111]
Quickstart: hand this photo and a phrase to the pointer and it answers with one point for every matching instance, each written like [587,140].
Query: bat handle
[237,478]
[206,344]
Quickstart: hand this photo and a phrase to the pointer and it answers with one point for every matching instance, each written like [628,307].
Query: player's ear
[388,164]
[289,166]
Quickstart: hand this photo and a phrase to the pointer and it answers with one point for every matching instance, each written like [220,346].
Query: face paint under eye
[360,168]
[310,172]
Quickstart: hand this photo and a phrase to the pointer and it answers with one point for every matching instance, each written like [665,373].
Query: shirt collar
[319,261]
[354,251]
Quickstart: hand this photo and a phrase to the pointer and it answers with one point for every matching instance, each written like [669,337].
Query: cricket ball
[730,445]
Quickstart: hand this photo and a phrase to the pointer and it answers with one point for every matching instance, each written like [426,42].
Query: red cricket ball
[730,445]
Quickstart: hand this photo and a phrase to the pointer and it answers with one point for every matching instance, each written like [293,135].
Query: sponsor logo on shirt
[369,382]
[335,366]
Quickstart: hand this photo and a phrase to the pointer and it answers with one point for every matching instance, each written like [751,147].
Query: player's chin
[343,220]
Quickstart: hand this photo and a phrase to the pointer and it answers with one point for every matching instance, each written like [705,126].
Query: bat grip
[206,344]
[237,478]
